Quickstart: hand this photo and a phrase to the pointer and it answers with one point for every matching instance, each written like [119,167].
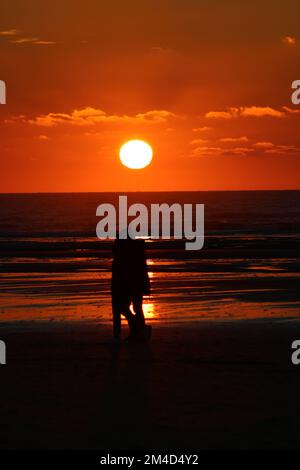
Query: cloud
[31,41]
[42,42]
[221,114]
[202,129]
[242,151]
[258,149]
[275,149]
[156,115]
[283,150]
[43,137]
[261,111]
[263,145]
[207,151]
[23,39]
[247,111]
[9,32]
[289,40]
[234,139]
[160,50]
[198,141]
[162,55]
[90,116]
[220,152]
[291,111]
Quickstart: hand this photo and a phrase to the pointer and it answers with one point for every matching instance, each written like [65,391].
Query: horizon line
[152,191]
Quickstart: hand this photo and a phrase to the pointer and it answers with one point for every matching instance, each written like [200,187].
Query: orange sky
[206,83]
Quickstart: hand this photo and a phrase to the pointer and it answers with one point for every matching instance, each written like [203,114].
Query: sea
[54,269]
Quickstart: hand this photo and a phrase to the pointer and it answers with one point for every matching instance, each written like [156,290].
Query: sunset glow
[193,80]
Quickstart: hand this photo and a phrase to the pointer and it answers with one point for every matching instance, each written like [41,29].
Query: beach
[218,385]
[217,373]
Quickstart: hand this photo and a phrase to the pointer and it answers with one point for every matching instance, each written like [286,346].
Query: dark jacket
[129,268]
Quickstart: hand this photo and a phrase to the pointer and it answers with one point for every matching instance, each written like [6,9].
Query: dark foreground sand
[202,386]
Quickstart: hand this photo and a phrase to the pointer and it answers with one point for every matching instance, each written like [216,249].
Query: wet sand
[232,278]
[205,385]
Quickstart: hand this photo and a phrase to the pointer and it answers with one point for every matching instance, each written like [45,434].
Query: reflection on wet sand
[42,280]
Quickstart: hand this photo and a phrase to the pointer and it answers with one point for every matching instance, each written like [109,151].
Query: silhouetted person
[130,282]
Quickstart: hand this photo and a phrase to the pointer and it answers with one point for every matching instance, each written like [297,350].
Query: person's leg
[121,306]
[128,315]
[138,310]
[116,319]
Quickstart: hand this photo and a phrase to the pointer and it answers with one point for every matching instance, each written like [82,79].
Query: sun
[136,154]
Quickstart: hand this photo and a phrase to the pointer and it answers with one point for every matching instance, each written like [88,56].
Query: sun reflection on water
[149,310]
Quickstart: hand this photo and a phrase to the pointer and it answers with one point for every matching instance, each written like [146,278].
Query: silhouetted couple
[130,282]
